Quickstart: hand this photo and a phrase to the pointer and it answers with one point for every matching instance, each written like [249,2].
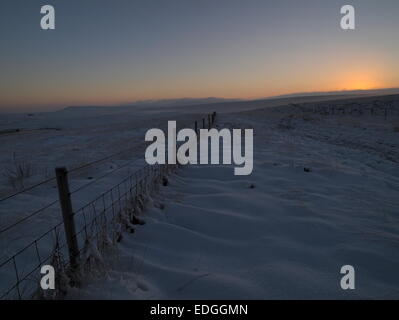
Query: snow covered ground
[323,194]
[72,137]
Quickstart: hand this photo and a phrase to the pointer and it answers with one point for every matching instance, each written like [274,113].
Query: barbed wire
[28,216]
[143,178]
[27,189]
[70,171]
[103,176]
[101,160]
[86,165]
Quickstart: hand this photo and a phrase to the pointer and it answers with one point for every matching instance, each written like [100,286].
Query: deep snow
[281,232]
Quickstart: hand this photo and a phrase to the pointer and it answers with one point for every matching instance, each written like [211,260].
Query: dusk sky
[107,52]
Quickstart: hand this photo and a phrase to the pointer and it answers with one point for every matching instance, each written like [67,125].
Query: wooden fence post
[203,123]
[196,127]
[67,215]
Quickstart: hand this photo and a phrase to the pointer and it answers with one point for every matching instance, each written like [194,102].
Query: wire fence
[97,225]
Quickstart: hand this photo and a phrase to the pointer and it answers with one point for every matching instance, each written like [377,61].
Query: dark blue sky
[110,52]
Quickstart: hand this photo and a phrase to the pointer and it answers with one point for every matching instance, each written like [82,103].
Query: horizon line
[143,102]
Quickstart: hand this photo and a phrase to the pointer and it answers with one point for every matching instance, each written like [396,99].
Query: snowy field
[323,194]
[281,233]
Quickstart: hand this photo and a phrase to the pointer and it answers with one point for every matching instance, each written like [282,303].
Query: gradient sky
[107,52]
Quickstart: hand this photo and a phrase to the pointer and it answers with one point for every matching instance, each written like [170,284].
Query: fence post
[67,215]
[209,121]
[196,127]
[203,123]
[213,117]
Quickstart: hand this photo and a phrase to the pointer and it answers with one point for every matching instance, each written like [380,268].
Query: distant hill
[178,102]
[152,104]
[339,93]
[208,101]
[183,102]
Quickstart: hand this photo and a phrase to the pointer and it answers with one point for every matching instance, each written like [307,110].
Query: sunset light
[198,157]
[162,52]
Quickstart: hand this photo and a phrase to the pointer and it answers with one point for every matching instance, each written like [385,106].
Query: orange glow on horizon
[368,76]
[366,81]
[252,85]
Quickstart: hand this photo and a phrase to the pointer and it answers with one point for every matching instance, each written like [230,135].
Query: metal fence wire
[99,225]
